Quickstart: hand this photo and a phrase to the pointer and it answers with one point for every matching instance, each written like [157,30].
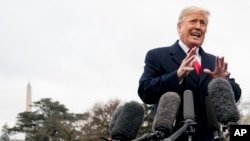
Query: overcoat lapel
[178,55]
[206,62]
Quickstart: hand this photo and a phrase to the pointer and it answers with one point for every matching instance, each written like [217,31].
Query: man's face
[192,29]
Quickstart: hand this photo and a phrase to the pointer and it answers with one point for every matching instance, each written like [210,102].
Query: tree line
[51,121]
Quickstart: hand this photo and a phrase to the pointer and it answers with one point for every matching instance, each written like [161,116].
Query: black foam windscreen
[222,97]
[128,122]
[115,116]
[167,110]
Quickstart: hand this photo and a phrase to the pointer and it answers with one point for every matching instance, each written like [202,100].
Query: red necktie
[197,67]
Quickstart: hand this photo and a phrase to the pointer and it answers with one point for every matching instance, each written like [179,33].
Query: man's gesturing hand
[187,64]
[220,69]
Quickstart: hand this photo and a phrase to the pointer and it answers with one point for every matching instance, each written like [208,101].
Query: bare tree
[98,120]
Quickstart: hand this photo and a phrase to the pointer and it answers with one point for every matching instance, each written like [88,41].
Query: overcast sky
[81,52]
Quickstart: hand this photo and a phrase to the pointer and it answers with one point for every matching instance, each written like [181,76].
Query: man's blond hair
[191,10]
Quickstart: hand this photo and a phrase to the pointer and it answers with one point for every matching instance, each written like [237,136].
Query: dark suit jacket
[160,76]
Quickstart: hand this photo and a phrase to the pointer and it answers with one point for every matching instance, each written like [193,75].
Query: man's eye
[203,23]
[192,21]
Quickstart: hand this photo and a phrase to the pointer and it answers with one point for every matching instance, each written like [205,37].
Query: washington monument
[28,98]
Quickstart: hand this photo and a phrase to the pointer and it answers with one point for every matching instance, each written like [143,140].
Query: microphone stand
[225,129]
[188,128]
[154,136]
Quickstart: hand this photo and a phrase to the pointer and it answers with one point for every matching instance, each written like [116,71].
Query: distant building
[28,98]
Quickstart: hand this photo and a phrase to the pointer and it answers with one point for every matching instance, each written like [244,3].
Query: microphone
[167,110]
[189,117]
[128,122]
[188,113]
[222,97]
[115,115]
[213,123]
[188,105]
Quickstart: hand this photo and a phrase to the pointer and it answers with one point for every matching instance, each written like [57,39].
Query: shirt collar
[185,47]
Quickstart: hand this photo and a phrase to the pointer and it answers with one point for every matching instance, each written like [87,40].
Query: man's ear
[179,28]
